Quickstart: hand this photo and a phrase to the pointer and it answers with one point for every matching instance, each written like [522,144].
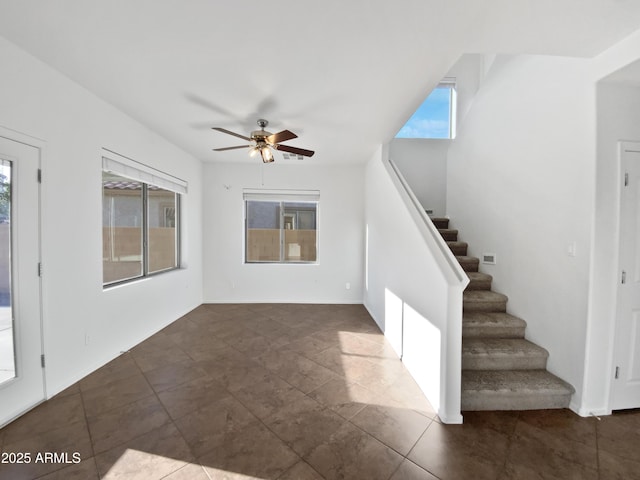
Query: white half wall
[341,235]
[521,177]
[73,126]
[413,288]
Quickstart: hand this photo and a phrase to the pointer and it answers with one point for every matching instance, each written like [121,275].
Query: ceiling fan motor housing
[260,135]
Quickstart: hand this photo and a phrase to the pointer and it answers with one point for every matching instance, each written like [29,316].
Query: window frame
[129,169]
[449,83]
[282,197]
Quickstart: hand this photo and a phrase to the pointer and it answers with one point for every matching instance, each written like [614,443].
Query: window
[281,227]
[435,118]
[140,221]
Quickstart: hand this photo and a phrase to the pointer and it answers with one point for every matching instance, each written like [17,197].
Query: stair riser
[449,236]
[440,222]
[511,362]
[479,285]
[472,306]
[493,332]
[473,401]
[469,265]
[458,248]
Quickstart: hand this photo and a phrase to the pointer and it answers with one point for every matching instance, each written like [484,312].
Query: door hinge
[39,175]
[42,360]
[624,277]
[626,179]
[617,375]
[40,269]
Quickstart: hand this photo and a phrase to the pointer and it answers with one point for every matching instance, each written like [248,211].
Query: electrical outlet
[348,286]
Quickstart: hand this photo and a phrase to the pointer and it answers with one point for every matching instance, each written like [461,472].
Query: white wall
[413,288]
[74,125]
[341,235]
[618,119]
[423,162]
[521,177]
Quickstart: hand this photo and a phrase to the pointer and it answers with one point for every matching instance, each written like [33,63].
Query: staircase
[500,369]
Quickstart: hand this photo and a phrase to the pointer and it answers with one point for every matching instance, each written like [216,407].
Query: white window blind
[126,167]
[281,195]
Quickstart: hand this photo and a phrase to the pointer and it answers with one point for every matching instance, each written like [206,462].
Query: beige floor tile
[64,441]
[344,398]
[174,375]
[56,413]
[410,471]
[206,428]
[127,422]
[103,398]
[397,428]
[301,471]
[304,424]
[189,397]
[251,451]
[352,453]
[461,451]
[155,454]
[295,391]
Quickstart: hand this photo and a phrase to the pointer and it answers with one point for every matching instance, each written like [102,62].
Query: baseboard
[589,411]
[450,419]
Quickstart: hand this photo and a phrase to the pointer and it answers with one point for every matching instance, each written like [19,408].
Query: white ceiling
[343,75]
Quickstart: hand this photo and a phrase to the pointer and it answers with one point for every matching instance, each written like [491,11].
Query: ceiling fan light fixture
[265,142]
[267,154]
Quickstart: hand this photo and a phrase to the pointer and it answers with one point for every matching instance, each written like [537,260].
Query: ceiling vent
[292,156]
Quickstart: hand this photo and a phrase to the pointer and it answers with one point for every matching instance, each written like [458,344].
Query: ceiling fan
[264,142]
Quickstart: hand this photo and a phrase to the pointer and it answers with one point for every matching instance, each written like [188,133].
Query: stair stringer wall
[520,185]
[413,287]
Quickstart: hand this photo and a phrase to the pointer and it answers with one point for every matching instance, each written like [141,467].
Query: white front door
[21,371]
[626,386]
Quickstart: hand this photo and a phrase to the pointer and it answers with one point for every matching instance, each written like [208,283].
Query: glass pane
[162,220]
[299,231]
[7,351]
[433,117]
[121,228]
[263,231]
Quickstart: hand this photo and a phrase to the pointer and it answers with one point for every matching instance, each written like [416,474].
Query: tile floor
[293,392]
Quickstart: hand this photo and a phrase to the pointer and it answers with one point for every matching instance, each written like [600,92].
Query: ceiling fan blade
[224,130]
[297,151]
[282,136]
[230,148]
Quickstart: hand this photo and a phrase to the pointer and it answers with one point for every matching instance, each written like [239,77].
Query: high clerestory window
[436,117]
[140,220]
[281,226]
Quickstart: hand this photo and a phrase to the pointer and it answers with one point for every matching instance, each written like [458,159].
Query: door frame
[623,146]
[40,146]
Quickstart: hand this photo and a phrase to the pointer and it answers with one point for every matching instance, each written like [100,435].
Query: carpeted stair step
[449,234]
[492,325]
[513,390]
[483,301]
[440,222]
[502,354]
[479,281]
[458,248]
[468,264]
